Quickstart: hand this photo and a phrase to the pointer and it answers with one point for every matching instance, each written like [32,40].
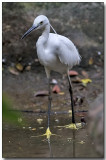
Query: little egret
[55,52]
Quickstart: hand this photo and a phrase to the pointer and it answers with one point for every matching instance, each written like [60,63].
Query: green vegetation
[8,115]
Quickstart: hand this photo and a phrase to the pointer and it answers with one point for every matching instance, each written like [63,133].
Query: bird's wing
[67,52]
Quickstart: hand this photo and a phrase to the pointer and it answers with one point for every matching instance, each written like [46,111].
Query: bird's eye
[41,22]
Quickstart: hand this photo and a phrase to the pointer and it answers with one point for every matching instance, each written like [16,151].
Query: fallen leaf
[41,127]
[56,89]
[39,120]
[13,70]
[41,93]
[33,129]
[28,68]
[61,93]
[86,81]
[73,73]
[85,74]
[19,67]
[70,113]
[90,61]
[81,142]
[77,80]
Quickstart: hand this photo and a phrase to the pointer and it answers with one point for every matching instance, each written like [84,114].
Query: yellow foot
[48,134]
[72,126]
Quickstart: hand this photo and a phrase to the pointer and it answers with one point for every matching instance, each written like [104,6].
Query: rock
[28,68]
[54,81]
[96,127]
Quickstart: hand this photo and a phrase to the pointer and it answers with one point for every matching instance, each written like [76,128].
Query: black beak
[29,31]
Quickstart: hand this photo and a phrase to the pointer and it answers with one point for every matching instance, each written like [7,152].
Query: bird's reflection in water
[50,148]
[73,131]
[73,145]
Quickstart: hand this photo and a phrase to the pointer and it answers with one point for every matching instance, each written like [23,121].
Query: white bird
[55,52]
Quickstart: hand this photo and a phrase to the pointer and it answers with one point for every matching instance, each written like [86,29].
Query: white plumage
[55,52]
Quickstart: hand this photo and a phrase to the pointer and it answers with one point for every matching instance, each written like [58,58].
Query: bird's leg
[71,95]
[49,102]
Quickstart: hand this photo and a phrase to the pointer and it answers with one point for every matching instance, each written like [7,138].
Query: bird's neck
[45,34]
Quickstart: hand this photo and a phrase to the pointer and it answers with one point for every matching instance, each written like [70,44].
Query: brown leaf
[85,74]
[41,93]
[73,73]
[56,89]
[13,71]
[77,80]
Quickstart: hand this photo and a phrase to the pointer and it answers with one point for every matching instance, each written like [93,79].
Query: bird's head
[39,22]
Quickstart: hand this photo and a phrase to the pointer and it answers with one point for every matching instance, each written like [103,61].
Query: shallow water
[22,141]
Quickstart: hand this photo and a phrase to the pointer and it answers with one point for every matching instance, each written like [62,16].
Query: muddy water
[22,142]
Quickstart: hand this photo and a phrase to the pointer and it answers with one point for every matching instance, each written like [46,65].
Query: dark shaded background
[80,22]
[23,76]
